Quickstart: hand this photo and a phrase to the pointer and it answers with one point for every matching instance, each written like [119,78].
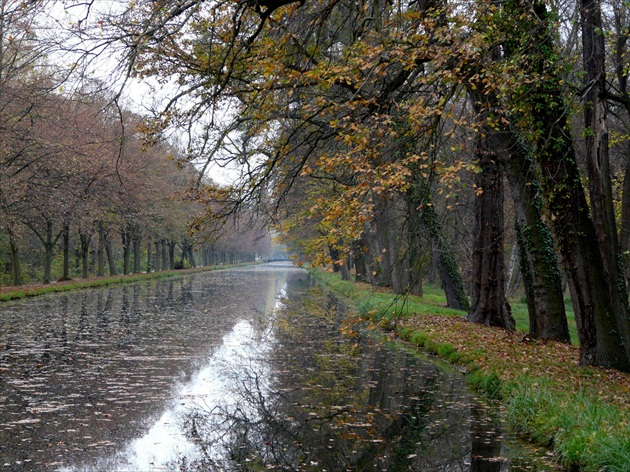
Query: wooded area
[474,142]
[81,191]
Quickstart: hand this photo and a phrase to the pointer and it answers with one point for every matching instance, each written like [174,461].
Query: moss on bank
[582,413]
[15,293]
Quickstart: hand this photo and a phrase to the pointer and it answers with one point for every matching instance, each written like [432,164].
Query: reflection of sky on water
[83,374]
[242,350]
[166,440]
[240,370]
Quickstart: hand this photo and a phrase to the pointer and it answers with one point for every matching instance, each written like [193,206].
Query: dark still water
[246,369]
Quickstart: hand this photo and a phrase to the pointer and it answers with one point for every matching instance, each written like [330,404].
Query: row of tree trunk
[586,236]
[161,254]
[540,167]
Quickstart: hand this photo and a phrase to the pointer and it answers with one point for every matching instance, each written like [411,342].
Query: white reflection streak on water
[242,351]
[165,440]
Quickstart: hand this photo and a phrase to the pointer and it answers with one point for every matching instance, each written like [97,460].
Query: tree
[595,292]
[318,90]
[502,148]
[618,96]
[538,258]
[489,304]
[22,86]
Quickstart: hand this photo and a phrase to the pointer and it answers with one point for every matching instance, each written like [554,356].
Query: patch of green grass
[583,431]
[488,383]
[366,308]
[434,294]
[12,296]
[445,349]
[380,305]
[418,338]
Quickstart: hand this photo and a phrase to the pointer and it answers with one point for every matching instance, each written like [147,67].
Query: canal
[244,369]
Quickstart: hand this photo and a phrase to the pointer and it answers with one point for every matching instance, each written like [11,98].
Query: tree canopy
[400,140]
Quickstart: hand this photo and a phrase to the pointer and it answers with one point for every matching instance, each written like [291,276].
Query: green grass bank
[581,413]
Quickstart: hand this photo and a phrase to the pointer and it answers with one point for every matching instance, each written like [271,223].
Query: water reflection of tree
[328,402]
[322,401]
[103,314]
[101,363]
[318,401]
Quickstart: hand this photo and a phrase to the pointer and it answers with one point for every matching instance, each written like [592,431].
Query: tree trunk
[85,253]
[513,271]
[624,233]
[345,271]
[191,256]
[149,255]
[447,269]
[398,260]
[165,265]
[186,253]
[77,256]
[334,257]
[360,263]
[137,253]
[538,259]
[597,156]
[433,270]
[489,305]
[381,225]
[171,254]
[373,255]
[66,252]
[389,251]
[158,255]
[622,73]
[49,246]
[365,254]
[126,244]
[16,268]
[100,254]
[109,250]
[414,276]
[526,266]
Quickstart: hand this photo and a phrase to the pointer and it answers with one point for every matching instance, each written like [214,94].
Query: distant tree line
[81,191]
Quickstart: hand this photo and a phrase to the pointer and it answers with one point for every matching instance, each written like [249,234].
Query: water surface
[247,369]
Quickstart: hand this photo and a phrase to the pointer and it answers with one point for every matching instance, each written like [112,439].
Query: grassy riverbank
[32,290]
[582,413]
